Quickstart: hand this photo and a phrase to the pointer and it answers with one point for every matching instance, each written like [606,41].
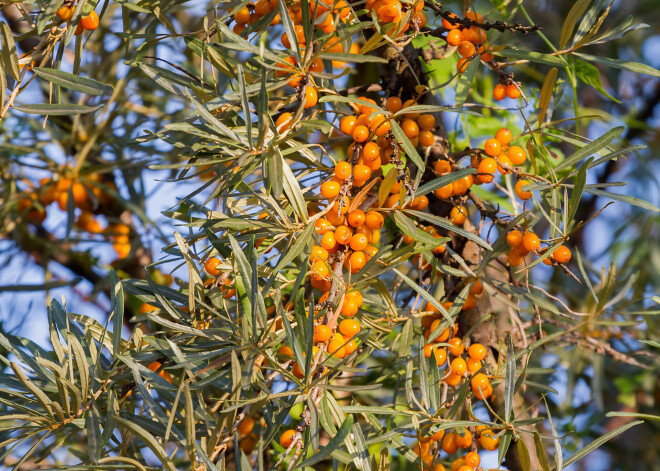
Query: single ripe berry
[488,441]
[420,203]
[442,166]
[242,17]
[211,266]
[90,21]
[370,151]
[410,128]
[512,91]
[522,194]
[477,351]
[504,164]
[472,459]
[517,155]
[450,25]
[359,242]
[426,122]
[322,333]
[499,92]
[374,220]
[464,441]
[514,238]
[458,366]
[330,189]
[64,13]
[349,328]
[562,254]
[454,37]
[319,253]
[456,346]
[360,133]
[328,240]
[356,218]
[311,96]
[473,365]
[245,426]
[462,64]
[361,172]
[286,440]
[503,135]
[531,241]
[347,124]
[356,261]
[493,147]
[426,138]
[466,49]
[343,170]
[283,122]
[449,442]
[343,235]
[458,215]
[487,168]
[394,104]
[379,125]
[336,346]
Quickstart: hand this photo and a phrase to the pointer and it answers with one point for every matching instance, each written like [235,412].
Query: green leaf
[444,180]
[446,224]
[148,440]
[59,109]
[293,191]
[578,187]
[599,441]
[624,198]
[93,430]
[637,415]
[533,56]
[590,148]
[9,52]
[465,82]
[590,75]
[510,380]
[334,444]
[117,312]
[619,64]
[73,82]
[541,453]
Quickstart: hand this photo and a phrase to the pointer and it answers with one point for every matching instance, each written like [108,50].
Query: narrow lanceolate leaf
[571,20]
[443,180]
[590,148]
[297,248]
[293,191]
[33,388]
[599,441]
[578,187]
[117,313]
[334,444]
[510,381]
[148,440]
[618,64]
[533,56]
[9,53]
[59,109]
[425,294]
[523,455]
[465,82]
[73,82]
[410,150]
[446,224]
[541,453]
[93,429]
[546,93]
[624,198]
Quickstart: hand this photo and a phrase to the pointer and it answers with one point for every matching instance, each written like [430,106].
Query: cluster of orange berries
[501,156]
[212,268]
[394,12]
[89,22]
[468,41]
[450,443]
[524,243]
[248,441]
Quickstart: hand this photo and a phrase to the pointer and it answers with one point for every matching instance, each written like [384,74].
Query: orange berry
[347,124]
[360,133]
[462,64]
[488,441]
[517,155]
[356,261]
[283,122]
[320,269]
[361,172]
[343,235]
[451,25]
[245,426]
[472,459]
[365,109]
[420,203]
[504,164]
[371,151]
[493,147]
[311,96]
[379,124]
[64,13]
[512,92]
[503,135]
[359,242]
[562,254]
[286,440]
[470,302]
[514,238]
[426,122]
[319,253]
[479,381]
[242,17]
[349,328]
[350,347]
[474,16]
[499,92]
[464,441]
[322,333]
[458,215]
[458,366]
[328,241]
[343,170]
[374,220]
[410,128]
[426,138]
[473,365]
[520,193]
[322,226]
[456,346]
[477,351]
[515,258]
[330,189]
[449,444]
[211,266]
[487,168]
[408,104]
[454,37]
[90,21]
[336,346]
[466,49]
[356,218]
[531,241]
[394,104]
